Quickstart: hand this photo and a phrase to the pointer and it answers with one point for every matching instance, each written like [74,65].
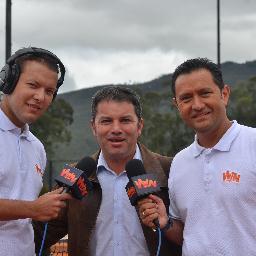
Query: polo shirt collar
[7,125]
[224,143]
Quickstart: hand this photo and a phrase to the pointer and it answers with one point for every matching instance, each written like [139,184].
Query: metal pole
[8,32]
[218,33]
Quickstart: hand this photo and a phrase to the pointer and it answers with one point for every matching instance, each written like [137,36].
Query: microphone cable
[43,240]
[159,240]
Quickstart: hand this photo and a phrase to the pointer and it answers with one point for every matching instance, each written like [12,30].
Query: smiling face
[201,103]
[32,95]
[117,128]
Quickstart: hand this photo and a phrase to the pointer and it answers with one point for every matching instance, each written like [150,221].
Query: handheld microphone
[75,179]
[141,184]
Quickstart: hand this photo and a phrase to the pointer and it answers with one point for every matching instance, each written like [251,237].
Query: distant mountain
[233,73]
[83,142]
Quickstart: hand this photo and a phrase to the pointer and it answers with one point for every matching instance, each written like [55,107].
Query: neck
[4,105]
[211,138]
[118,162]
[116,166]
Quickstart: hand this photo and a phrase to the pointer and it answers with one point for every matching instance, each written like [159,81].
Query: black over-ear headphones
[10,73]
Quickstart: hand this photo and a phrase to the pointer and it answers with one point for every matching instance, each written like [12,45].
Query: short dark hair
[196,64]
[116,93]
[49,61]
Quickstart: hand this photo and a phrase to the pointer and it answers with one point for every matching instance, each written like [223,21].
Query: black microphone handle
[156,222]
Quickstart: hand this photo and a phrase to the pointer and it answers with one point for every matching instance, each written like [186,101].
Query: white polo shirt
[22,161]
[213,191]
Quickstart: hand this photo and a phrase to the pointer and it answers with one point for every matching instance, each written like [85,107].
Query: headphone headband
[10,73]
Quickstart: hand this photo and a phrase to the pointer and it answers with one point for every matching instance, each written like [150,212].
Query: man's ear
[140,126]
[93,127]
[225,93]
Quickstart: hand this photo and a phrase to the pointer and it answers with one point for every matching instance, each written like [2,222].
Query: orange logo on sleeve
[38,169]
[230,176]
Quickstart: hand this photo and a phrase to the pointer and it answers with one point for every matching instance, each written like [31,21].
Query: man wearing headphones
[29,81]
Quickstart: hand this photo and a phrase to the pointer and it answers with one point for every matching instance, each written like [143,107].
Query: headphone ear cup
[12,77]
[15,75]
[4,77]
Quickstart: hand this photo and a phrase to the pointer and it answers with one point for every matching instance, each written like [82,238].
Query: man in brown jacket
[104,222]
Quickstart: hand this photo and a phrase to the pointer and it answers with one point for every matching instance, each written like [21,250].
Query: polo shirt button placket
[207,177]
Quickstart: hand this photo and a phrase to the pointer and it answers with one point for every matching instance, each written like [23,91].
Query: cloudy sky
[128,41]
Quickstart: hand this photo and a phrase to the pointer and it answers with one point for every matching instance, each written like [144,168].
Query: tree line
[164,131]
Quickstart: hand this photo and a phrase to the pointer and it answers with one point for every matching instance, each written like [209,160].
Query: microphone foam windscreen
[87,164]
[134,167]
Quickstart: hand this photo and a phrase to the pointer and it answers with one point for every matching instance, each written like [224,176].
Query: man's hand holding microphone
[49,205]
[72,182]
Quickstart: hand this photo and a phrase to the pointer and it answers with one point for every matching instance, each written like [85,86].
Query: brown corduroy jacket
[80,216]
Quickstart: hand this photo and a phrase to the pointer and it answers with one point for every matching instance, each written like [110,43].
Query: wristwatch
[168,224]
